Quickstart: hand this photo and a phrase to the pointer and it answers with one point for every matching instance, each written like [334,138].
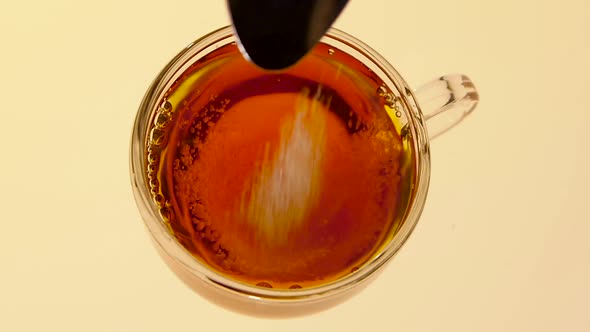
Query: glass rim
[168,243]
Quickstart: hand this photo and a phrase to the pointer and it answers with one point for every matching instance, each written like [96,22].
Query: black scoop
[275,34]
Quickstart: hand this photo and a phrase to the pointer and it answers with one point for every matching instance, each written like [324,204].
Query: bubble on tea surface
[166,106]
[160,200]
[166,213]
[388,98]
[162,120]
[154,183]
[152,157]
[152,168]
[264,284]
[157,137]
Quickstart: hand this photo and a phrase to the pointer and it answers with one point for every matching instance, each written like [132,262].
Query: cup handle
[445,102]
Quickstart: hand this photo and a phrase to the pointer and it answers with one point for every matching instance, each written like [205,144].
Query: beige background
[504,241]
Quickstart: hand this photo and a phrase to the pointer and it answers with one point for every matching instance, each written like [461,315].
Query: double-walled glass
[424,113]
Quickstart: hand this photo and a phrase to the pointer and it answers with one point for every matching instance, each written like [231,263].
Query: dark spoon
[275,34]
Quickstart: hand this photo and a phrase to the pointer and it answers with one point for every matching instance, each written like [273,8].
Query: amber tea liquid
[286,179]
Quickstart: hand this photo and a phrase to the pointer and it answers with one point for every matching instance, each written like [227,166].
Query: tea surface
[284,179]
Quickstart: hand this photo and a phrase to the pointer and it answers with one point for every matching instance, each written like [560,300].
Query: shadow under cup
[441,104]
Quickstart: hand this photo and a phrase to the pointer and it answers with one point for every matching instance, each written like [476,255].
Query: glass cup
[424,114]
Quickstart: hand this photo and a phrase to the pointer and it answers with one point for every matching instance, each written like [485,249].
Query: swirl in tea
[284,179]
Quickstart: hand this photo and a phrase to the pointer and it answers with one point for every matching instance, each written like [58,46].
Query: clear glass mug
[426,113]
